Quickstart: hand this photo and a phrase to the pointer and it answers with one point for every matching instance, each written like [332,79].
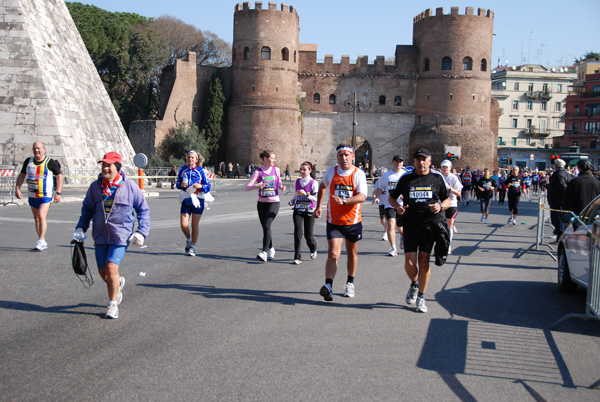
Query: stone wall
[50,90]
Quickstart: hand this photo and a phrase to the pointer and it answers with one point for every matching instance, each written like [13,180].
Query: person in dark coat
[582,189]
[556,194]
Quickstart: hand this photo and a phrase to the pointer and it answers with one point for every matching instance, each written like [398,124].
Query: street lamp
[356,107]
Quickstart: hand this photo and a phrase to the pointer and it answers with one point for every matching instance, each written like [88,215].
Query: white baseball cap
[446,162]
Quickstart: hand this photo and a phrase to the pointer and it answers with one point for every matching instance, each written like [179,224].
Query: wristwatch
[58,193]
[343,199]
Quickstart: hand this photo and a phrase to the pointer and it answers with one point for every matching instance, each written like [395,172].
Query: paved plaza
[222,326]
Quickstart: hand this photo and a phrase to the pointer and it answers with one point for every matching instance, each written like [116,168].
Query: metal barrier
[539,237]
[592,303]
[8,179]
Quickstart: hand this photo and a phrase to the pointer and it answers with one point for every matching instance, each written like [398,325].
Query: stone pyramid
[50,90]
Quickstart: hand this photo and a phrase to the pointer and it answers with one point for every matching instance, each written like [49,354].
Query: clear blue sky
[549,32]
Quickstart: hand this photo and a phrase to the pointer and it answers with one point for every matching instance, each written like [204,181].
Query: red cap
[111,157]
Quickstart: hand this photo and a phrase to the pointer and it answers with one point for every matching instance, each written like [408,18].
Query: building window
[576,111]
[529,125]
[545,87]
[499,140]
[559,87]
[516,86]
[542,125]
[398,101]
[467,63]
[294,56]
[513,141]
[451,96]
[596,88]
[316,98]
[483,65]
[530,87]
[332,99]
[285,54]
[382,100]
[557,107]
[246,53]
[515,123]
[515,105]
[446,63]
[556,123]
[593,144]
[529,105]
[575,143]
[544,106]
[265,53]
[426,65]
[428,95]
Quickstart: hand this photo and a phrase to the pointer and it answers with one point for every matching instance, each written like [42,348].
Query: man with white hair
[556,194]
[454,191]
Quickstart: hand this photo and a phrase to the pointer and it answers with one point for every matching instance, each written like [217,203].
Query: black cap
[422,152]
[397,158]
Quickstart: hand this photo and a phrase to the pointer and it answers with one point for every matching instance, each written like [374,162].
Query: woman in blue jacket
[113,202]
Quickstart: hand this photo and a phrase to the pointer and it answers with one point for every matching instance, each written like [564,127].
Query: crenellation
[272,6]
[453,10]
[258,5]
[469,11]
[439,11]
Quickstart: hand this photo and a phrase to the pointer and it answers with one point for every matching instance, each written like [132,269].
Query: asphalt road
[222,326]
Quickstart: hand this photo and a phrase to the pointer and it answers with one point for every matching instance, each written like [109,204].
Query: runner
[267,180]
[514,184]
[486,186]
[40,171]
[347,186]
[193,183]
[112,203]
[386,183]
[526,183]
[304,203]
[455,189]
[467,181]
[425,196]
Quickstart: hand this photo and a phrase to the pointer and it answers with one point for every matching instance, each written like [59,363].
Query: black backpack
[80,265]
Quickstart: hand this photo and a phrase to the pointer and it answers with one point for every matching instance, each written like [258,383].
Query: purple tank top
[271,183]
[303,204]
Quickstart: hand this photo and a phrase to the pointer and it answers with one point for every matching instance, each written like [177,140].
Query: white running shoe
[514,221]
[485,221]
[120,295]
[384,237]
[262,256]
[188,244]
[112,312]
[449,250]
[271,254]
[326,292]
[313,255]
[392,252]
[411,296]
[41,245]
[297,262]
[482,218]
[421,307]
[192,251]
[349,290]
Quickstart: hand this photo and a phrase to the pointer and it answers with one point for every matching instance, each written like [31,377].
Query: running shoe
[297,262]
[188,244]
[455,229]
[421,307]
[514,221]
[41,245]
[192,251]
[450,250]
[509,220]
[120,295]
[482,218]
[271,254]
[326,292]
[112,311]
[262,256]
[392,252]
[411,296]
[485,221]
[384,237]
[313,255]
[349,290]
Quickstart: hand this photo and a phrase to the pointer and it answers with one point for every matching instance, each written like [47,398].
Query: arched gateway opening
[363,152]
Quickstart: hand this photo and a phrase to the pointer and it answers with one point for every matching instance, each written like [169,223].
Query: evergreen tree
[215,111]
[181,139]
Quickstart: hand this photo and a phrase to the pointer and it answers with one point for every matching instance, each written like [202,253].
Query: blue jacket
[121,220]
[193,176]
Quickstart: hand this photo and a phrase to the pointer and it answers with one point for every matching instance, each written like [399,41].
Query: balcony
[543,95]
[582,132]
[533,131]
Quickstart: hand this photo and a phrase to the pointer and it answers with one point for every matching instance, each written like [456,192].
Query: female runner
[304,203]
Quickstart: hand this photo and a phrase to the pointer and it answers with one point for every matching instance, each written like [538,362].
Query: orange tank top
[343,186]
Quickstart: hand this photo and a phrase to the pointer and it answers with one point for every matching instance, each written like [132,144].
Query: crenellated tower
[453,96]
[263,111]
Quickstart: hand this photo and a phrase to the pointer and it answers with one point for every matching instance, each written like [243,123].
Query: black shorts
[418,238]
[451,212]
[352,233]
[390,213]
[381,211]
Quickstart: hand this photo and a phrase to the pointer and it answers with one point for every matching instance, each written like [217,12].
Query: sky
[551,32]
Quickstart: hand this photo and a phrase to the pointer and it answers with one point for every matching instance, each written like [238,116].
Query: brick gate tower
[453,96]
[263,110]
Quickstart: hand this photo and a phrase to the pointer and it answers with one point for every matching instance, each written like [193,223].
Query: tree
[588,56]
[182,139]
[215,111]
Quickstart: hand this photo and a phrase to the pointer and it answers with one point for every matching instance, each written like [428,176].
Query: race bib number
[343,190]
[420,194]
[32,186]
[269,190]
[302,202]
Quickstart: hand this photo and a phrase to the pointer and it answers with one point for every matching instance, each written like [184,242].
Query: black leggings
[513,202]
[309,223]
[267,211]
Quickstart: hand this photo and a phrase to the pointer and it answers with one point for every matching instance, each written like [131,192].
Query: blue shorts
[109,252]
[36,202]
[187,207]
[352,233]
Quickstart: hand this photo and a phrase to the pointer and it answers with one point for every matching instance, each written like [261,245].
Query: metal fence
[542,219]
[8,177]
[592,303]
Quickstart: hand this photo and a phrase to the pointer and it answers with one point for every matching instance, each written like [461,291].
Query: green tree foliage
[589,56]
[215,111]
[181,139]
